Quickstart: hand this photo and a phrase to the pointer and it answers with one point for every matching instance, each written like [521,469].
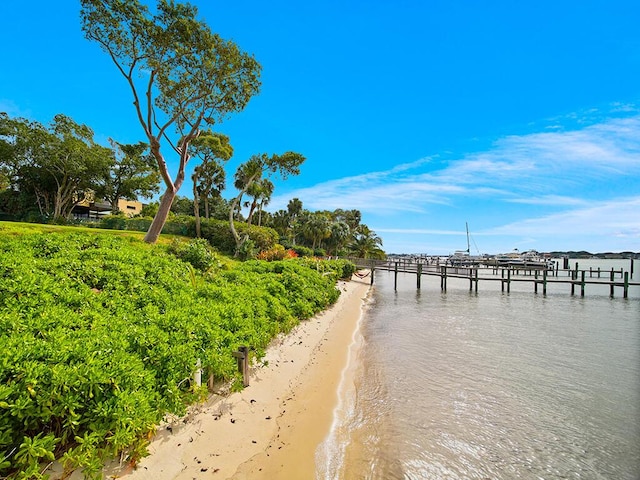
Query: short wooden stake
[242,355]
[419,273]
[197,375]
[582,284]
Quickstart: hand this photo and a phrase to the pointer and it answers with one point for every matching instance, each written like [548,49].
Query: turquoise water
[490,385]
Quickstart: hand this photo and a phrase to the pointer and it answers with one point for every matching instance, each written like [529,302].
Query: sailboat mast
[468,245]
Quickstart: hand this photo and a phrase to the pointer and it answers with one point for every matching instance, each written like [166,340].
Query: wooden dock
[540,278]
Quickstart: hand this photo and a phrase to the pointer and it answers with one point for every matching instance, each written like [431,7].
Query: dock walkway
[539,277]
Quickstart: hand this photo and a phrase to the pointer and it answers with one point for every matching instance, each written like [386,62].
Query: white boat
[528,259]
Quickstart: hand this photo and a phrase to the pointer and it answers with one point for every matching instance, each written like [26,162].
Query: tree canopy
[57,164]
[253,170]
[133,173]
[182,76]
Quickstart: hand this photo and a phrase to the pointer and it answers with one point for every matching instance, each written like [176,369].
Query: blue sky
[520,118]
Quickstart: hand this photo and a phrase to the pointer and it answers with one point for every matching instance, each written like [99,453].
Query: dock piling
[395,276]
[626,285]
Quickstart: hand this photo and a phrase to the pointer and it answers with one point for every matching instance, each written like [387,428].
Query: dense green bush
[342,269]
[100,336]
[219,235]
[302,251]
[197,252]
[113,222]
[217,232]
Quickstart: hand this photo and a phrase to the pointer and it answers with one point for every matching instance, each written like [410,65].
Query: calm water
[460,385]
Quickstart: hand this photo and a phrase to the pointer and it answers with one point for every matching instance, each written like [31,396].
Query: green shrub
[197,252]
[302,251]
[139,224]
[100,336]
[247,250]
[113,222]
[342,269]
[219,235]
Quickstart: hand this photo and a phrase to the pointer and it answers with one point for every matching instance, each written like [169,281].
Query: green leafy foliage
[215,231]
[197,252]
[101,335]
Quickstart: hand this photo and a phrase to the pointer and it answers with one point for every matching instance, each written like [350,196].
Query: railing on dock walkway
[537,275]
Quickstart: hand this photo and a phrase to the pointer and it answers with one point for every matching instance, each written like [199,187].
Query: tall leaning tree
[182,76]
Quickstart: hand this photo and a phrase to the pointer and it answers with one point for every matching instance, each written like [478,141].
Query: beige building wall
[129,207]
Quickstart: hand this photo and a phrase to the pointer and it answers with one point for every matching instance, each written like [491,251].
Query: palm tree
[316,227]
[280,223]
[294,211]
[338,236]
[366,244]
[261,191]
[209,176]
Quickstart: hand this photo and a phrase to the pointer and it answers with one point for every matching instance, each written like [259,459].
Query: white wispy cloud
[553,200]
[535,169]
[555,185]
[616,217]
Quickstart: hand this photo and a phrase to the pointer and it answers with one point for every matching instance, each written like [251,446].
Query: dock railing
[537,275]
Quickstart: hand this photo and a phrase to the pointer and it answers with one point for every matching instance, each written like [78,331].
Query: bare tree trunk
[252,211]
[196,208]
[161,217]
[232,226]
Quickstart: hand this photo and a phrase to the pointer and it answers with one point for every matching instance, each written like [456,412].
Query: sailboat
[464,257]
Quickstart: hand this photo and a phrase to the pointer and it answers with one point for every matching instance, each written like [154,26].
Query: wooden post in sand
[197,375]
[242,355]
[419,273]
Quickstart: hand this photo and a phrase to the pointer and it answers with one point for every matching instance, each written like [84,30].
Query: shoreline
[273,427]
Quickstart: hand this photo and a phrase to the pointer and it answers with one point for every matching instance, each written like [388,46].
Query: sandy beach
[273,427]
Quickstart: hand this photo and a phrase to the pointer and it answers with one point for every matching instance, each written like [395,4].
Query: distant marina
[540,271]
